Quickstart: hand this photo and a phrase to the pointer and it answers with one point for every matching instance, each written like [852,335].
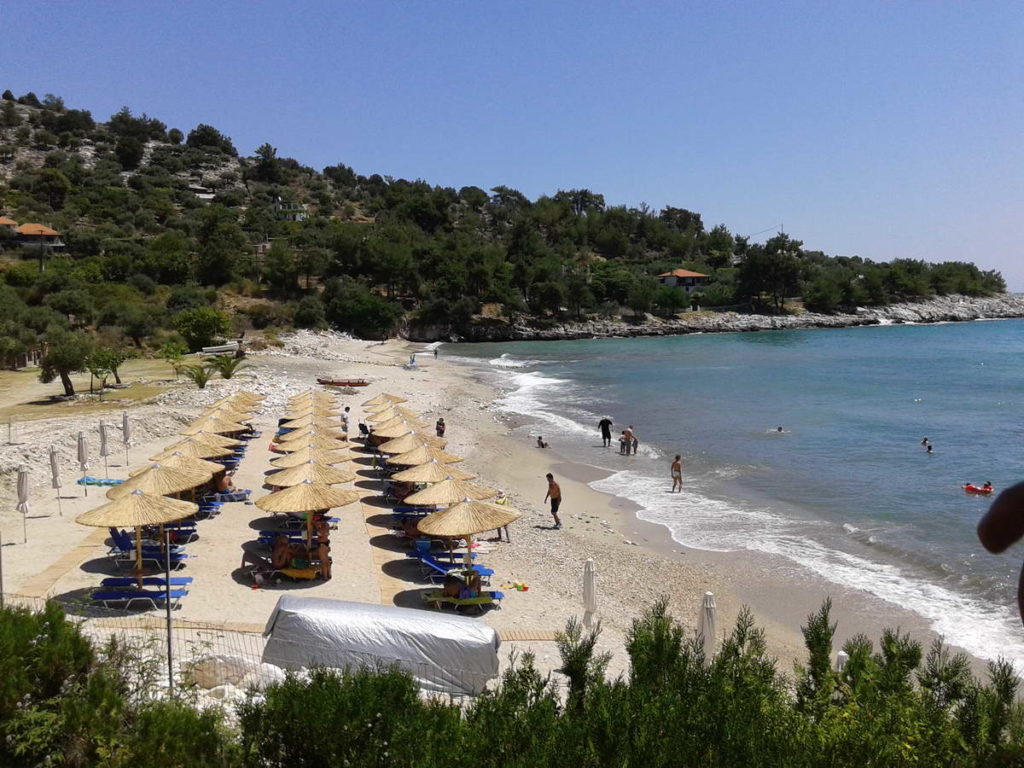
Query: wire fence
[206,655]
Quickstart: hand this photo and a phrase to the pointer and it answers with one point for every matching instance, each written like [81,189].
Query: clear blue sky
[881,129]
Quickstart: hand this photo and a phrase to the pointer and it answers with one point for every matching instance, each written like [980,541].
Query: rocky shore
[940,309]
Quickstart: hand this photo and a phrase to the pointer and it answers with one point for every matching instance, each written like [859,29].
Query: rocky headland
[940,309]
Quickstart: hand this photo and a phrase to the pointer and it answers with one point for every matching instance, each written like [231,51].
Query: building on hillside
[685,279]
[289,211]
[9,224]
[39,236]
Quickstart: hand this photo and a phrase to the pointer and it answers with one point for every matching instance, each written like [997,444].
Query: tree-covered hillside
[166,233]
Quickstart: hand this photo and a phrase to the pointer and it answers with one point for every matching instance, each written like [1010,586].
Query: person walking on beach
[605,425]
[439,427]
[627,433]
[555,495]
[677,475]
[435,353]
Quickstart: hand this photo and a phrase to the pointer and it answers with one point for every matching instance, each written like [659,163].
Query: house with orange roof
[39,235]
[685,279]
[7,223]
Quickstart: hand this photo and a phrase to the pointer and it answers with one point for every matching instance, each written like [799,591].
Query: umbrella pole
[167,605]
[24,526]
[469,554]
[60,508]
[138,550]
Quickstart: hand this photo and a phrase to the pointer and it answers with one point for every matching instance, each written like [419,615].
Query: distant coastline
[941,309]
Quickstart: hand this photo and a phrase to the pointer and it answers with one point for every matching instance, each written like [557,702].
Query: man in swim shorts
[677,475]
[555,494]
[605,425]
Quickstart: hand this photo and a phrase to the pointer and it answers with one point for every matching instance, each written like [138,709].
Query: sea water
[846,491]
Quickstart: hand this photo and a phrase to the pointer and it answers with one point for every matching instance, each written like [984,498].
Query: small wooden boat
[343,382]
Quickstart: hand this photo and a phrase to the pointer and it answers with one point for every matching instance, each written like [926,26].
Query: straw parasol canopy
[316,411]
[313,419]
[213,424]
[227,412]
[159,480]
[422,455]
[290,444]
[450,492]
[178,460]
[432,472]
[191,447]
[312,396]
[410,441]
[312,453]
[315,430]
[311,471]
[385,414]
[217,441]
[306,497]
[398,421]
[467,518]
[135,509]
[384,398]
[392,431]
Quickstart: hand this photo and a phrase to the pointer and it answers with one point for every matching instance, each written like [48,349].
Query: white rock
[262,676]
[217,670]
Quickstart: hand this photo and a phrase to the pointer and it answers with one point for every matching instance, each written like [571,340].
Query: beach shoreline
[637,562]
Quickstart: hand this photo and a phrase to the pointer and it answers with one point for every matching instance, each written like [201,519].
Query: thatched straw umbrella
[158,480]
[213,424]
[218,441]
[398,421]
[178,460]
[384,398]
[135,510]
[410,442]
[193,448]
[385,414]
[312,453]
[450,492]
[322,431]
[432,471]
[422,455]
[466,518]
[394,430]
[310,471]
[306,498]
[313,420]
[290,444]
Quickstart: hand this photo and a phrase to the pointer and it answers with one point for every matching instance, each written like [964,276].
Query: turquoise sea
[846,491]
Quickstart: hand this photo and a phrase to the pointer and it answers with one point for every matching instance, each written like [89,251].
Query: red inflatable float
[982,489]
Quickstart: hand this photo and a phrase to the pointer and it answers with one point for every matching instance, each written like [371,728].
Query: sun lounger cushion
[147,581]
[104,481]
[437,598]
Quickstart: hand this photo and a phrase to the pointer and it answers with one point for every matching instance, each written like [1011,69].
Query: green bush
[201,326]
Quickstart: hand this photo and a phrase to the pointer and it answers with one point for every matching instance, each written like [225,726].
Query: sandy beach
[636,562]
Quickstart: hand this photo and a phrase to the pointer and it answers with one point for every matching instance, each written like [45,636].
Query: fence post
[167,603]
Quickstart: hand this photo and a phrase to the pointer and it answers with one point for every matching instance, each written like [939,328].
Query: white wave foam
[526,399]
[702,522]
[507,361]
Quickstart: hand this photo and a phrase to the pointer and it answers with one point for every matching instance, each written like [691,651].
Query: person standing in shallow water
[677,475]
[555,494]
[605,425]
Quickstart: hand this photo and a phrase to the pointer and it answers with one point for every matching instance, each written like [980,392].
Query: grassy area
[25,398]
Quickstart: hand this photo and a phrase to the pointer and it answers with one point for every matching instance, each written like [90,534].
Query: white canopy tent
[444,654]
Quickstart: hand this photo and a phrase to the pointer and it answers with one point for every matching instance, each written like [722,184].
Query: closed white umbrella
[105,447]
[55,482]
[83,458]
[23,498]
[589,592]
[706,629]
[126,434]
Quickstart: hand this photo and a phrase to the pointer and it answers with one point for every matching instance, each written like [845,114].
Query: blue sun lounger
[126,597]
[436,569]
[147,581]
